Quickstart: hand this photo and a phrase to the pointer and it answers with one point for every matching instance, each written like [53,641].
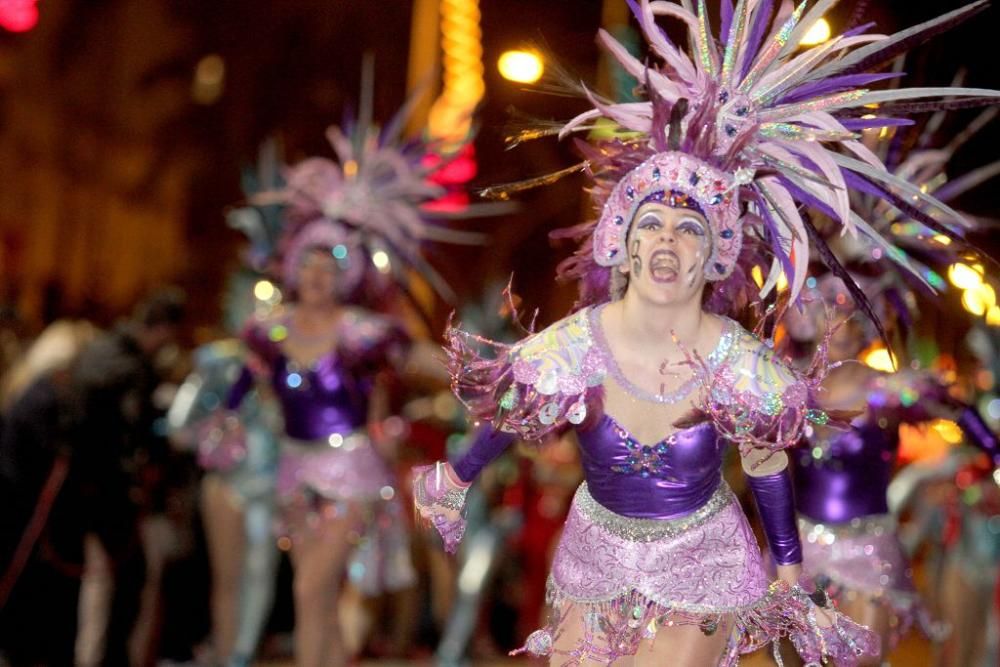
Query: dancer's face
[667,251]
[317,279]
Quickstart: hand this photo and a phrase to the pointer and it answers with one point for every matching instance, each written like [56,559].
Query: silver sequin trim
[648,530]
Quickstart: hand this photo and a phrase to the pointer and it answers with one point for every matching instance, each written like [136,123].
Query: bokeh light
[521,66]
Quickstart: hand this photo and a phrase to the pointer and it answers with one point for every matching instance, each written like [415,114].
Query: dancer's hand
[439,497]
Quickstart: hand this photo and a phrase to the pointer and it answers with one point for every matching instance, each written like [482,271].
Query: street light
[521,66]
[964,276]
[817,33]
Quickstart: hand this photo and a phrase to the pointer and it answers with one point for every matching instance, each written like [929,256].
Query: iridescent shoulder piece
[756,400]
[533,387]
[371,337]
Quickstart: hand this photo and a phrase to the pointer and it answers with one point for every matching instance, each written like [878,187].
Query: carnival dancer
[656,560]
[350,226]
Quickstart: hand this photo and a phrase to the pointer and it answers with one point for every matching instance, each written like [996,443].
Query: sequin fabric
[647,530]
[863,557]
[336,468]
[628,579]
[549,380]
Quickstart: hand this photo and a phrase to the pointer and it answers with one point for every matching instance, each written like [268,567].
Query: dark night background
[115,178]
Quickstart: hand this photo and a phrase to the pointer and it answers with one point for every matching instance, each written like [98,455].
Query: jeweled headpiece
[373,203]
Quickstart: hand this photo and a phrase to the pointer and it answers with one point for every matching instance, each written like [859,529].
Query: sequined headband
[692,184]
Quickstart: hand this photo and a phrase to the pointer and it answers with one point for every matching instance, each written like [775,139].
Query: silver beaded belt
[649,530]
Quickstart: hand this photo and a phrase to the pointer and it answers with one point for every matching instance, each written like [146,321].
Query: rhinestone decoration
[509,398]
[773,404]
[642,460]
[726,234]
[818,417]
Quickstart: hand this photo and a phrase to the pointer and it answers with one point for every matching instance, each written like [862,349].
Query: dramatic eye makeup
[649,220]
[691,226]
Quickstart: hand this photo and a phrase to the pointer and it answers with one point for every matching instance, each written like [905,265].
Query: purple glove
[776,506]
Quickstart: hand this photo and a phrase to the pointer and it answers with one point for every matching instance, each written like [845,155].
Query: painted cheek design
[636,259]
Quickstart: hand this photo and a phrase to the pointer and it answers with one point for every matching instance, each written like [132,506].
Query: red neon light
[18,15]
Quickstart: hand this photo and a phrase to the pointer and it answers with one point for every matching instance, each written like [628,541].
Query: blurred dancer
[237,492]
[351,226]
[71,446]
[841,479]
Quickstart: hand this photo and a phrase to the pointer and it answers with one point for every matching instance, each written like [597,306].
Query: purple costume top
[552,380]
[847,476]
[663,481]
[331,395]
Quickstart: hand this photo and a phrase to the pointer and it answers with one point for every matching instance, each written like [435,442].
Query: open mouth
[664,266]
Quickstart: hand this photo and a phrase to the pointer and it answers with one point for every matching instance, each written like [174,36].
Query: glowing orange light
[463,87]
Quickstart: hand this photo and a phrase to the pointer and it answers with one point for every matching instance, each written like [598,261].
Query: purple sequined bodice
[316,402]
[848,477]
[663,481]
[331,395]
[666,480]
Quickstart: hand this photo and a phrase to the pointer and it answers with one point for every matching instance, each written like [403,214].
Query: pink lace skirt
[864,557]
[628,577]
[341,468]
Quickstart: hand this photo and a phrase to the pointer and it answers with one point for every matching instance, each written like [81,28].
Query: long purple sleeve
[240,388]
[980,434]
[776,506]
[485,448]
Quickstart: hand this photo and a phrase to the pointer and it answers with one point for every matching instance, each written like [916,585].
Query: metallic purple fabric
[316,401]
[776,506]
[320,400]
[667,480]
[486,446]
[980,434]
[849,477]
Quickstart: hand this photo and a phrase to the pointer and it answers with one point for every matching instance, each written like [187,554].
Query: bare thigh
[224,530]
